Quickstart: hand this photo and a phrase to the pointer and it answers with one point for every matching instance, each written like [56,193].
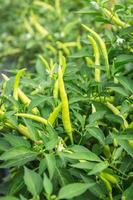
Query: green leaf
[122,136]
[40,68]
[126,31]
[22,197]
[98,168]
[97,189]
[80,118]
[47,184]
[74,189]
[126,82]
[17,141]
[84,165]
[53,138]
[125,145]
[114,118]
[128,193]
[16,183]
[17,157]
[97,133]
[42,166]
[37,101]
[4,145]
[33,131]
[51,164]
[96,116]
[33,181]
[117,153]
[89,156]
[16,153]
[120,90]
[123,59]
[8,198]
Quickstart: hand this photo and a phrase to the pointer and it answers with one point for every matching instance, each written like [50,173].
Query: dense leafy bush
[66,122]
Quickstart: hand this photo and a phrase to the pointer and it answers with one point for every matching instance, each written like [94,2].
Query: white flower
[119,40]
[60,146]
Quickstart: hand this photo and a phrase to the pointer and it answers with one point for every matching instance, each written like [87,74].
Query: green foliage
[39,157]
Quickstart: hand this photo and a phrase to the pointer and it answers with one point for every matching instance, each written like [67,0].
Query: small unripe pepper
[108,185]
[54,114]
[109,177]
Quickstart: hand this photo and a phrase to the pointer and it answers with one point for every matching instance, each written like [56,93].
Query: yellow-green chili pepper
[43,5]
[114,18]
[117,112]
[54,114]
[97,57]
[16,83]
[55,90]
[24,131]
[108,186]
[39,28]
[106,151]
[53,49]
[60,45]
[21,128]
[25,100]
[69,26]
[65,105]
[102,46]
[89,61]
[33,117]
[62,63]
[109,177]
[44,61]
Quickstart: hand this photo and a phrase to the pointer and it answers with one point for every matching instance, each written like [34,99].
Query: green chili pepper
[108,186]
[39,28]
[43,5]
[114,18]
[106,151]
[16,83]
[21,128]
[103,99]
[89,61]
[55,90]
[54,114]
[24,131]
[54,51]
[45,63]
[117,112]
[69,26]
[61,45]
[23,97]
[79,43]
[97,57]
[109,177]
[62,63]
[65,105]
[102,46]
[33,117]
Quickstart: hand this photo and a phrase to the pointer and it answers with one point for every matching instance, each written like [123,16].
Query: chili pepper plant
[66,103]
